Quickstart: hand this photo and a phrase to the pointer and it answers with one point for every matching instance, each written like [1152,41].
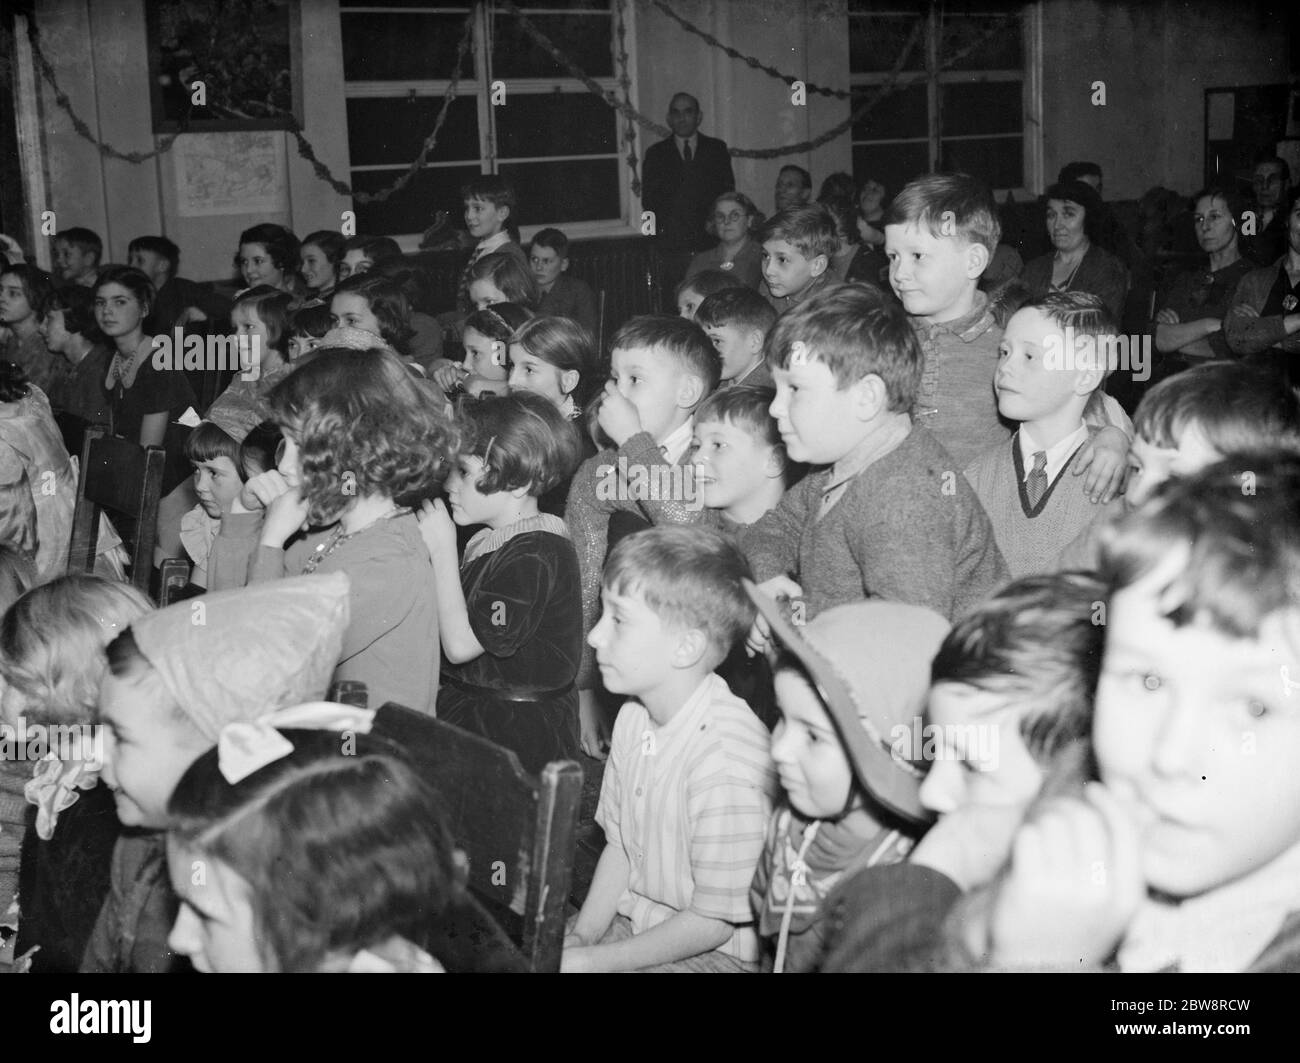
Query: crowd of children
[887,623]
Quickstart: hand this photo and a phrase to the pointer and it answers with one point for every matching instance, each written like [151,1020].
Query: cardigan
[1061,532]
[1099,272]
[907,528]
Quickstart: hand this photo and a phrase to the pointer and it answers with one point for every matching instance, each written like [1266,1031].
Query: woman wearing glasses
[732,221]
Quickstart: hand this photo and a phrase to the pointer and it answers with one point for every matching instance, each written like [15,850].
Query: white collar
[1222,930]
[487,540]
[1058,456]
[491,243]
[693,140]
[677,441]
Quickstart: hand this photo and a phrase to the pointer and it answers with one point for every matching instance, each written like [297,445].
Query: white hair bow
[250,745]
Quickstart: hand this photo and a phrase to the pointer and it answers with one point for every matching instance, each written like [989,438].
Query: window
[555,141]
[971,106]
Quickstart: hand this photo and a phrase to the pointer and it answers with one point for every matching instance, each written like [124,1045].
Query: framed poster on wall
[1239,122]
[224,65]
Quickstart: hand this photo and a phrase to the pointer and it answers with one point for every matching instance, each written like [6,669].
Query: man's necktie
[1036,485]
[686,151]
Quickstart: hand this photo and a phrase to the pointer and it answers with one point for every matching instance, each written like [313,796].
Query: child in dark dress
[510,616]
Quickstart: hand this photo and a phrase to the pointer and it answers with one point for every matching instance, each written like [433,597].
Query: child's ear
[519,492]
[1086,381]
[691,646]
[505,214]
[776,462]
[977,259]
[818,265]
[756,339]
[569,380]
[870,397]
[690,390]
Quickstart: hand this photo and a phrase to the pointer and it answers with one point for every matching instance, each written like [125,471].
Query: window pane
[392,129]
[555,124]
[1000,51]
[901,114]
[1000,162]
[893,165]
[586,39]
[990,107]
[875,43]
[566,191]
[401,47]
[412,209]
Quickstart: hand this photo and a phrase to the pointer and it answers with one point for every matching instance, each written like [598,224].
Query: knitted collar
[489,539]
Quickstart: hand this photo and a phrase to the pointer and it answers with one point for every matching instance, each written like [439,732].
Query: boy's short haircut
[313,321]
[707,282]
[744,407]
[524,441]
[1244,559]
[690,577]
[682,340]
[1234,406]
[491,187]
[1076,171]
[555,240]
[809,229]
[741,307]
[854,331]
[376,248]
[160,246]
[1038,641]
[83,240]
[1085,315]
[940,201]
[78,306]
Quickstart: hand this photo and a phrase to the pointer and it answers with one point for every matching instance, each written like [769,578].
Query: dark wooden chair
[173,582]
[124,480]
[518,830]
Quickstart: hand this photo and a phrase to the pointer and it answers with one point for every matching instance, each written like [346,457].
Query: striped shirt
[689,804]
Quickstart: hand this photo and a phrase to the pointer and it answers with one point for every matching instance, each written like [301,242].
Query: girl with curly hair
[363,444]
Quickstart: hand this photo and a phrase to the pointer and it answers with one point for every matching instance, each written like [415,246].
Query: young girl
[510,615]
[554,357]
[321,251]
[359,254]
[695,289]
[375,305]
[144,400]
[499,278]
[268,902]
[269,254]
[224,454]
[486,341]
[307,327]
[260,316]
[23,291]
[362,445]
[51,663]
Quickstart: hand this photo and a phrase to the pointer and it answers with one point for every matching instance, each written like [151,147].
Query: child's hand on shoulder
[1104,462]
[437,529]
[760,635]
[1074,884]
[617,417]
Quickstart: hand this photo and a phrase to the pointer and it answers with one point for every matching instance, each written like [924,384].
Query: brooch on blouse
[1289,303]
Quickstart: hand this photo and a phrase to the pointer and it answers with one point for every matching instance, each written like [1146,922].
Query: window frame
[934,79]
[488,161]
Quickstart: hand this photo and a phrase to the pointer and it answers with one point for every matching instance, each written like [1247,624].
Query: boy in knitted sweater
[886,516]
[1050,361]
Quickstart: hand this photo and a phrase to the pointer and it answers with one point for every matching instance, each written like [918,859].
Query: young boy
[76,256]
[1196,820]
[737,321]
[172,685]
[1010,707]
[489,203]
[1193,419]
[851,676]
[888,516]
[940,232]
[688,787]
[179,301]
[740,462]
[661,368]
[1051,359]
[797,248]
[562,294]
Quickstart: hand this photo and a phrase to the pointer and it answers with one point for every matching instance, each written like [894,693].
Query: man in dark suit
[684,174]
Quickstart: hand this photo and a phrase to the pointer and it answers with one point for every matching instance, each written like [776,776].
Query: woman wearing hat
[1078,263]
